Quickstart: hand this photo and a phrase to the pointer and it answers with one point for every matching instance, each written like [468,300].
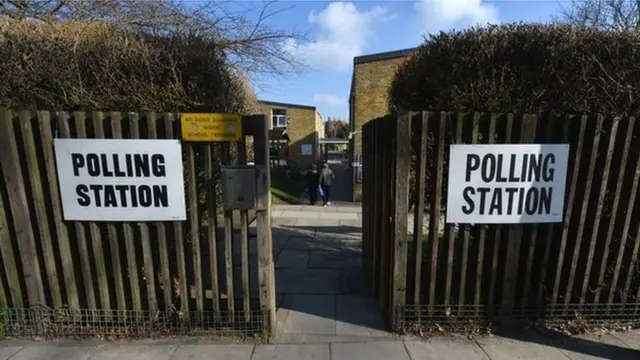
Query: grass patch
[285,190]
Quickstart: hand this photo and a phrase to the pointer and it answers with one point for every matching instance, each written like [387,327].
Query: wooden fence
[82,278]
[425,271]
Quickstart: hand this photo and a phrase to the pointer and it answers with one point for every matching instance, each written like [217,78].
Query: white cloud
[344,32]
[436,15]
[329,100]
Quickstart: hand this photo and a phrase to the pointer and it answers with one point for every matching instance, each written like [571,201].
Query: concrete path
[319,275]
[622,346]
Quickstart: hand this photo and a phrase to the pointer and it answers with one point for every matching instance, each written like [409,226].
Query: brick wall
[301,128]
[371,81]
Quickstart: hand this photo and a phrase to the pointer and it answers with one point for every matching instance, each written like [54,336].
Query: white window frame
[277,123]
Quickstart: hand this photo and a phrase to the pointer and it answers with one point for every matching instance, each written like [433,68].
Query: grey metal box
[239,187]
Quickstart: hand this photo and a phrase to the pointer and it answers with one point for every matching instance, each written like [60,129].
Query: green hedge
[522,68]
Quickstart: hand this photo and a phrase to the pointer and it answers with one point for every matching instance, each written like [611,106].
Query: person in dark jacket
[312,178]
[326,180]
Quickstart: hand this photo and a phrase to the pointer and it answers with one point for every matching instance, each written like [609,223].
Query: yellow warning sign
[211,127]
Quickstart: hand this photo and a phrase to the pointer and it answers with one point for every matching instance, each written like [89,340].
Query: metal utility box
[239,187]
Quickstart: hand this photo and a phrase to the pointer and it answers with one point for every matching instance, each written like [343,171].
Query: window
[279,118]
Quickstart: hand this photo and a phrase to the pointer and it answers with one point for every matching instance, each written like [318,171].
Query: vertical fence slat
[583,212]
[147,258]
[625,236]
[550,227]
[8,258]
[80,229]
[38,201]
[10,162]
[418,221]
[434,218]
[569,206]
[129,237]
[194,224]
[527,135]
[244,239]
[46,139]
[212,226]
[465,228]
[482,237]
[228,244]
[115,119]
[96,235]
[604,182]
[3,298]
[266,275]
[498,237]
[534,241]
[178,235]
[402,153]
[161,231]
[450,230]
[614,209]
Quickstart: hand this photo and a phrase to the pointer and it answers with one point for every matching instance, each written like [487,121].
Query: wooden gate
[210,274]
[426,272]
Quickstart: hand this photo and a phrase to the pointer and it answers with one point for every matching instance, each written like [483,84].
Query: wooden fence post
[266,273]
[402,153]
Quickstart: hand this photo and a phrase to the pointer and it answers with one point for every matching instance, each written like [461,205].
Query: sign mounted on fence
[120,180]
[507,184]
[307,149]
[211,127]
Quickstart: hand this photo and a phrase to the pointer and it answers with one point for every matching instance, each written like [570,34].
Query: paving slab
[213,352]
[52,352]
[292,352]
[384,350]
[315,221]
[311,314]
[359,316]
[337,259]
[307,281]
[587,347]
[283,221]
[8,351]
[121,352]
[356,224]
[631,338]
[285,207]
[313,243]
[445,349]
[529,348]
[293,259]
[354,281]
[299,214]
[338,216]
[349,209]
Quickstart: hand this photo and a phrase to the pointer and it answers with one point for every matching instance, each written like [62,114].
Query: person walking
[326,180]
[312,177]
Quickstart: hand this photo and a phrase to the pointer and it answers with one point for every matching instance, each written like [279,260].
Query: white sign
[307,149]
[120,180]
[507,184]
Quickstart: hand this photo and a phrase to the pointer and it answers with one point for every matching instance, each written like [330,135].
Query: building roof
[383,55]
[273,103]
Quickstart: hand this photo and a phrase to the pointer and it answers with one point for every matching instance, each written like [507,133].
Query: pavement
[325,312]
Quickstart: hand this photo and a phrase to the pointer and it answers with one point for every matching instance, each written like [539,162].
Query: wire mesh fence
[465,318]
[115,324]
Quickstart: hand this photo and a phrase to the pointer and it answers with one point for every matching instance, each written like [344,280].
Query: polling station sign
[507,184]
[120,180]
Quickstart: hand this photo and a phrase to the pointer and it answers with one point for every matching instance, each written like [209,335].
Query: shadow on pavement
[580,346]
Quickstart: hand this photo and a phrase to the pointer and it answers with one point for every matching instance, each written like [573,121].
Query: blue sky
[338,31]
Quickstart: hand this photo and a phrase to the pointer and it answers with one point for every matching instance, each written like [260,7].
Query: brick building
[372,76]
[301,125]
